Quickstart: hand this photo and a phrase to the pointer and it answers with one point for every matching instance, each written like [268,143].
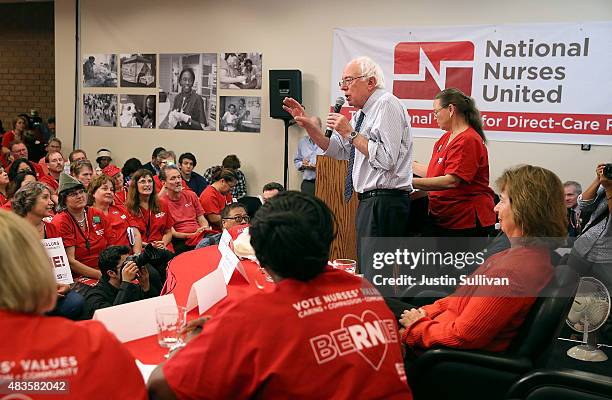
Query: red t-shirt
[214,202]
[184,211]
[152,226]
[3,199]
[118,221]
[485,317]
[467,158]
[97,232]
[51,182]
[272,345]
[84,354]
[7,138]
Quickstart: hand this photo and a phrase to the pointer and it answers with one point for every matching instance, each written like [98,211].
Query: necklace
[81,221]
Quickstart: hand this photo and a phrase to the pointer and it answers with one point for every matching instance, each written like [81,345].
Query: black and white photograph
[137,111]
[188,91]
[240,71]
[100,70]
[100,109]
[138,70]
[240,114]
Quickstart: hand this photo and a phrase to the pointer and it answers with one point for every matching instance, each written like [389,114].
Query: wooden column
[331,174]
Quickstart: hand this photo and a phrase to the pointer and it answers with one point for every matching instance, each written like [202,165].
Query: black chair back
[251,204]
[546,315]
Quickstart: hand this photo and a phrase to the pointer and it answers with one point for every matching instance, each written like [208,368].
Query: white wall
[291,35]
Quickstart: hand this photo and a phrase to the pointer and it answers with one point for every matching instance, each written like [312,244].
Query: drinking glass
[345,264]
[170,322]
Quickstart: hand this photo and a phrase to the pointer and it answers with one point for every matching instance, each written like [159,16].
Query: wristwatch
[352,136]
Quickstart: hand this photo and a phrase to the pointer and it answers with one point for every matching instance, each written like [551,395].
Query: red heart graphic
[375,354]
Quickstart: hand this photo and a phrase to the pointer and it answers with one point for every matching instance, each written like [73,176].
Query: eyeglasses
[347,81]
[144,181]
[76,193]
[240,218]
[436,111]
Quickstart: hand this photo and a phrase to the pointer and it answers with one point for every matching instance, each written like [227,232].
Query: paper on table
[145,369]
[228,264]
[207,291]
[224,242]
[134,320]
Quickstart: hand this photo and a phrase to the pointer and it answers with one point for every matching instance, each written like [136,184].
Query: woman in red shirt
[79,354]
[217,195]
[484,317]
[457,178]
[101,196]
[147,213]
[120,191]
[84,230]
[19,127]
[34,203]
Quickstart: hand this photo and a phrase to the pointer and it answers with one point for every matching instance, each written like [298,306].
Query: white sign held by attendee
[134,320]
[207,291]
[59,259]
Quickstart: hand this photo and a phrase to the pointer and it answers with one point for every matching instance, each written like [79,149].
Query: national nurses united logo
[422,69]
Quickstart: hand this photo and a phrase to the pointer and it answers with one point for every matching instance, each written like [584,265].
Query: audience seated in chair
[187,213]
[232,215]
[488,317]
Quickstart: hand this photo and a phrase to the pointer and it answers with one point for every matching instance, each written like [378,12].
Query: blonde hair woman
[78,353]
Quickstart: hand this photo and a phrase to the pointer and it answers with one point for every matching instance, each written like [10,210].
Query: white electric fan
[589,311]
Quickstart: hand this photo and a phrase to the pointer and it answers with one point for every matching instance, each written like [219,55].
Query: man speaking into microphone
[378,144]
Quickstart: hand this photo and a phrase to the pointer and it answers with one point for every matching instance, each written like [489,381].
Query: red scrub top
[152,226]
[467,158]
[334,327]
[119,223]
[213,202]
[84,354]
[96,232]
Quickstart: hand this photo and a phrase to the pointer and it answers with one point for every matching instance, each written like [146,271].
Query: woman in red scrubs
[101,196]
[217,195]
[85,230]
[457,178]
[147,213]
[84,357]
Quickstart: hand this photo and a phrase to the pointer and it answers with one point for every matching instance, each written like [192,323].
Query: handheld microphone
[337,107]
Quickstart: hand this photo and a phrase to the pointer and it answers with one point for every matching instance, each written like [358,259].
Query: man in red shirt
[185,209]
[55,164]
[317,319]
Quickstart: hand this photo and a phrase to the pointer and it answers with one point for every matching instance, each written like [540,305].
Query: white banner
[57,255]
[545,83]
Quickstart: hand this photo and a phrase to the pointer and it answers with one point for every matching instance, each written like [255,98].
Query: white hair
[369,68]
